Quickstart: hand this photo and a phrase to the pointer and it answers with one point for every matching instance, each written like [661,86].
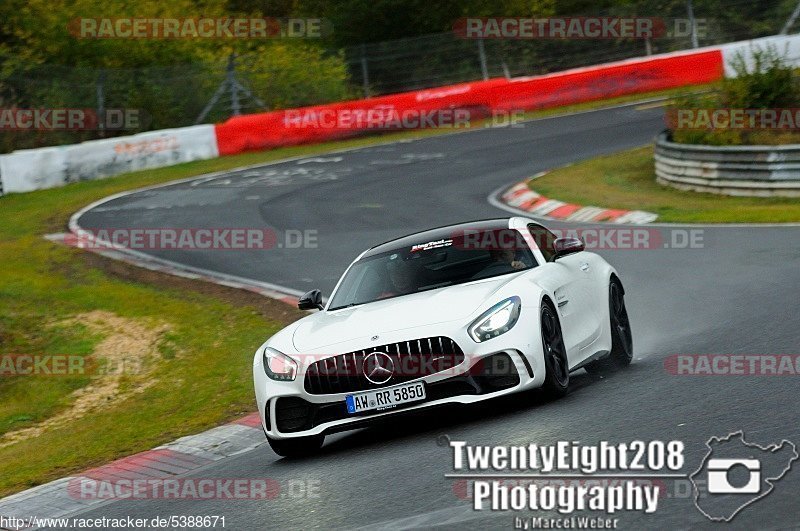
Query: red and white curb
[62,497]
[520,197]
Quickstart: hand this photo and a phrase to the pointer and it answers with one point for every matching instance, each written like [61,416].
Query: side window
[544,239]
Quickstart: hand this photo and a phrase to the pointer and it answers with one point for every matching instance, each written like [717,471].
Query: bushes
[287,75]
[278,74]
[43,64]
[768,82]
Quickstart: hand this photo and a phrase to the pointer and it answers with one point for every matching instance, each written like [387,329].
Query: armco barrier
[338,120]
[732,170]
[786,45]
[43,168]
[610,80]
[34,169]
[322,122]
[154,149]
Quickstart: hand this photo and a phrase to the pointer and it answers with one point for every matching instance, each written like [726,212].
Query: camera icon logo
[735,473]
[719,476]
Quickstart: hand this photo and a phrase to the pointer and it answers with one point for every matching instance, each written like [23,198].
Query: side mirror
[311,300]
[565,246]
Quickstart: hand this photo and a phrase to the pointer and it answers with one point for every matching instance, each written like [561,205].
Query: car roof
[439,233]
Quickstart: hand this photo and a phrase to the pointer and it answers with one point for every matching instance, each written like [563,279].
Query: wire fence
[180,95]
[431,60]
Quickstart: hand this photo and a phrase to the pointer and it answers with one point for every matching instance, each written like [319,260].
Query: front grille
[293,414]
[410,360]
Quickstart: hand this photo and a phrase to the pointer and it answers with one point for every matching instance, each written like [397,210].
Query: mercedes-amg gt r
[456,314]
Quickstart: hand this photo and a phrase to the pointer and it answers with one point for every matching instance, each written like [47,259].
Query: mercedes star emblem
[378,367]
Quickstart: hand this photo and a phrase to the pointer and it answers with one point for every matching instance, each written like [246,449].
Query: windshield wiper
[348,306]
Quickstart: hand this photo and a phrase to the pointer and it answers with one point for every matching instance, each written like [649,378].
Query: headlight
[495,321]
[279,366]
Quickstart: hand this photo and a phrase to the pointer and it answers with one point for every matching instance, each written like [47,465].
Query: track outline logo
[769,480]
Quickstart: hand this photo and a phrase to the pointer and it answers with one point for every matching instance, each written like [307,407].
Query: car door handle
[584,267]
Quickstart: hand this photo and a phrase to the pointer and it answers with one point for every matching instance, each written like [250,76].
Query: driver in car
[402,278]
[502,260]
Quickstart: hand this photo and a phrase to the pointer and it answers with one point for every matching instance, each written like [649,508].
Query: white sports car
[457,314]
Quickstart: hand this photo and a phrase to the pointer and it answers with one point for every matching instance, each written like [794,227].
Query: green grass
[202,364]
[627,180]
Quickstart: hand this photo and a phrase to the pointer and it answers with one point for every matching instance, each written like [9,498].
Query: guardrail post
[693,23]
[790,21]
[482,57]
[364,70]
[234,86]
[101,101]
[230,74]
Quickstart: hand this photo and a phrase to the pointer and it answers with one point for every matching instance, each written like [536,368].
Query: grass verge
[177,353]
[627,181]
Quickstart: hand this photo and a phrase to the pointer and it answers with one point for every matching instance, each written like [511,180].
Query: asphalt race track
[738,294]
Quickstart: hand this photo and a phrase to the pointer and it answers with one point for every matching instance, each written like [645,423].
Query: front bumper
[287,410]
[293,414]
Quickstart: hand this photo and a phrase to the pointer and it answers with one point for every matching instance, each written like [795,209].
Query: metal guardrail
[732,170]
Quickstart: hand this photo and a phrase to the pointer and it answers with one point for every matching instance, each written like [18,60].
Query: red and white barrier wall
[329,122]
[785,45]
[34,169]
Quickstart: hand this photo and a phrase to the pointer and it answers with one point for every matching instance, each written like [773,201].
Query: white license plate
[385,398]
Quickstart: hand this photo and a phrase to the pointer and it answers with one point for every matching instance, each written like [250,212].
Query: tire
[296,447]
[621,338]
[556,380]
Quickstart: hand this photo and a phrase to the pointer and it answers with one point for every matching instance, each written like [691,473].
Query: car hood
[324,329]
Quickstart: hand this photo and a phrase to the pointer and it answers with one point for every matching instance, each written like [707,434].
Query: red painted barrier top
[450,105]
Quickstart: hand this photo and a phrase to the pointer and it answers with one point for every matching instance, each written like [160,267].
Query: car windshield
[429,265]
